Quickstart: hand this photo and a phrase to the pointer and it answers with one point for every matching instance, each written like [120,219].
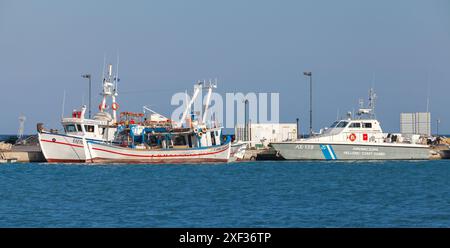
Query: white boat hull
[61,148]
[340,151]
[106,153]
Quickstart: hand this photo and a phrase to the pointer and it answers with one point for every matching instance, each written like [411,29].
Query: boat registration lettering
[304,147]
[366,149]
[364,153]
[77,141]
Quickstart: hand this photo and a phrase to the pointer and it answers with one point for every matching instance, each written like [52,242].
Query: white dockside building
[415,123]
[261,134]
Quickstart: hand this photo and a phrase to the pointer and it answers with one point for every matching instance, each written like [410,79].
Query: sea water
[246,194]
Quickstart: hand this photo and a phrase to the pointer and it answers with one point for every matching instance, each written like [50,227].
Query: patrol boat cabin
[359,130]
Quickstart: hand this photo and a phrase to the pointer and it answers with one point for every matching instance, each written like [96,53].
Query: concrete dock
[23,153]
[261,154]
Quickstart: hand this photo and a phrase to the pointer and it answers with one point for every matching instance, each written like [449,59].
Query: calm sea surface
[248,194]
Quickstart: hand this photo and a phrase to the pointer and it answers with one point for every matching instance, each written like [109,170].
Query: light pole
[309,74]
[88,76]
[245,120]
[297,128]
[437,126]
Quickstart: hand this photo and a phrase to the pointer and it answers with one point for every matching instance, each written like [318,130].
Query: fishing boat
[142,142]
[161,147]
[69,146]
[359,138]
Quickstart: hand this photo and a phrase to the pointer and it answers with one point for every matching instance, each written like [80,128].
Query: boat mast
[208,99]
[197,89]
[109,90]
[113,97]
[372,97]
[370,110]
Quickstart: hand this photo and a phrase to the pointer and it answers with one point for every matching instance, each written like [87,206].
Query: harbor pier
[25,154]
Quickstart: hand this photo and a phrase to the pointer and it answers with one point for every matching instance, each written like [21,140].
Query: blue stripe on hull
[328,152]
[332,151]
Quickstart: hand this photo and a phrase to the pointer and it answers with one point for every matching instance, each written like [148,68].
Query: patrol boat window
[355,125]
[342,124]
[367,125]
[334,124]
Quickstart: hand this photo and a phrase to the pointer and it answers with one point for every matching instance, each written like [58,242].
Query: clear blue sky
[261,46]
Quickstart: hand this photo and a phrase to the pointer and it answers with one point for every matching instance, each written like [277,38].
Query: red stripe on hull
[62,143]
[51,160]
[161,156]
[160,161]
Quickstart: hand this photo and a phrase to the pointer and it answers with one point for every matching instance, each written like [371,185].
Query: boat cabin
[98,128]
[352,130]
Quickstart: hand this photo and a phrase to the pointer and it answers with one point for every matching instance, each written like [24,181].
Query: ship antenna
[373,80]
[428,90]
[63,103]
[117,75]
[372,97]
[104,66]
[361,103]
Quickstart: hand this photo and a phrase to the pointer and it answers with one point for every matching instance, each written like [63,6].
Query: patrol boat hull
[336,151]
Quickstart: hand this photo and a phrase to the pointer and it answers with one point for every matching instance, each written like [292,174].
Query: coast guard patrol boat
[70,146]
[356,139]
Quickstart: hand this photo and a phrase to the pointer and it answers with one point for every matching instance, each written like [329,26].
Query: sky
[401,48]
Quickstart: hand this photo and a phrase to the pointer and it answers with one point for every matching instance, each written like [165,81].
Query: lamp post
[88,76]
[297,128]
[309,74]
[245,120]
[437,126]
